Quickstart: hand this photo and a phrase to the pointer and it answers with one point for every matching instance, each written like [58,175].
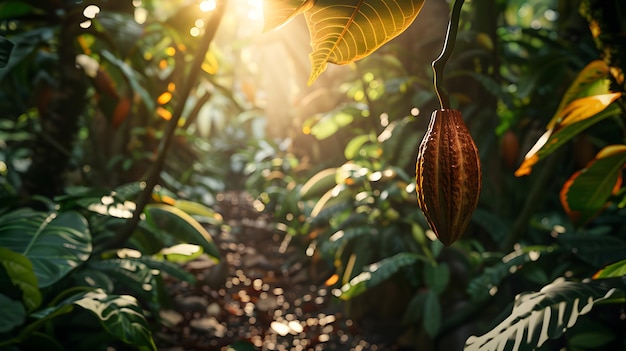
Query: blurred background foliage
[333,163]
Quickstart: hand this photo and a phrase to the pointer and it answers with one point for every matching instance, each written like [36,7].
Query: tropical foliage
[122,122]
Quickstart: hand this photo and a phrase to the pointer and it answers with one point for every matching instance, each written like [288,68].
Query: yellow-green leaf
[345,31]
[588,95]
[279,12]
[575,117]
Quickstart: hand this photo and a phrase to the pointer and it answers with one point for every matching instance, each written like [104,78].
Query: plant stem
[154,174]
[538,190]
[448,46]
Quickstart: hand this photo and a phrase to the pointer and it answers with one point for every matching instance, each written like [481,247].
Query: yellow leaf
[586,107]
[279,12]
[344,33]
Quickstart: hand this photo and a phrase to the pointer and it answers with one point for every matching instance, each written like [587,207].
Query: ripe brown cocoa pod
[448,175]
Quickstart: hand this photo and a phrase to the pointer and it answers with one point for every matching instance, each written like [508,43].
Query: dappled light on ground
[262,296]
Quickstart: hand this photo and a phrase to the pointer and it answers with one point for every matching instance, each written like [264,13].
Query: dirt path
[255,300]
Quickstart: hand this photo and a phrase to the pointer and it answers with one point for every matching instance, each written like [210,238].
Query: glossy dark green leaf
[13,314]
[6,46]
[21,274]
[14,9]
[487,283]
[596,250]
[55,243]
[134,79]
[432,314]
[121,316]
[587,191]
[129,274]
[547,314]
[171,268]
[181,226]
[437,277]
[378,272]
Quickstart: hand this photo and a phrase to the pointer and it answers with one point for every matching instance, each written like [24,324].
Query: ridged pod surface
[448,175]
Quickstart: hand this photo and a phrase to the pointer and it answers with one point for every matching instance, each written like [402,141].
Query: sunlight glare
[208,5]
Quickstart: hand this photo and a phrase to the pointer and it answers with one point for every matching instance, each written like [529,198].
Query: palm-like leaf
[539,316]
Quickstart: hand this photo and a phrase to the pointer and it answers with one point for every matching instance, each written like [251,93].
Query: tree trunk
[59,121]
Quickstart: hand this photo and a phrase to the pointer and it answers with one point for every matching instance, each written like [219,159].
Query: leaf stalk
[448,47]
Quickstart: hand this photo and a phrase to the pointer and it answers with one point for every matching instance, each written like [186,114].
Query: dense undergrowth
[81,147]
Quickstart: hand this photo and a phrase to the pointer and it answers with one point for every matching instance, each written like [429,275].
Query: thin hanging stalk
[154,175]
[448,46]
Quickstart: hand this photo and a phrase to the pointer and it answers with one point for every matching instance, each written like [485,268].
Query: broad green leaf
[342,33]
[614,270]
[378,272]
[13,314]
[14,9]
[169,267]
[437,277]
[55,243]
[583,118]
[121,30]
[21,273]
[128,274]
[133,78]
[278,12]
[487,283]
[121,316]
[352,149]
[319,183]
[496,226]
[432,314]
[587,191]
[597,250]
[181,253]
[181,226]
[543,315]
[331,122]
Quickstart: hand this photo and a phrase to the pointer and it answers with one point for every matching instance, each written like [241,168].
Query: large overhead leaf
[543,315]
[54,242]
[278,12]
[587,191]
[344,31]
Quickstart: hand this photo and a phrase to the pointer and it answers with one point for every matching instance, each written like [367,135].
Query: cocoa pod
[448,175]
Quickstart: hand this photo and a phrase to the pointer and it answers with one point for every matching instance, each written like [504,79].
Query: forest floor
[261,296]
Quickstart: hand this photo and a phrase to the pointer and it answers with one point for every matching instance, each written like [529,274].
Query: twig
[154,175]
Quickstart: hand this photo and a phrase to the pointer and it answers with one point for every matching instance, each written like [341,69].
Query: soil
[262,295]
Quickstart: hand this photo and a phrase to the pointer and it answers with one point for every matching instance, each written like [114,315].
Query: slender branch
[536,193]
[154,175]
[448,46]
